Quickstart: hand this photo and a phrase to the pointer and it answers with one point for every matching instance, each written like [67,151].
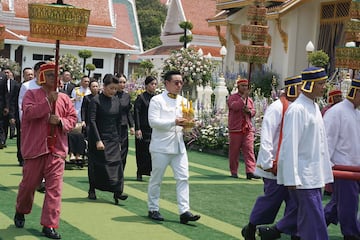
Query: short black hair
[149,79]
[93,80]
[27,68]
[169,74]
[119,75]
[38,65]
[109,78]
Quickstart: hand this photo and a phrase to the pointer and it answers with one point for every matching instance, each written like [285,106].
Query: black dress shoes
[155,215]
[250,176]
[351,237]
[188,216]
[19,220]
[50,233]
[234,176]
[92,195]
[269,233]
[120,196]
[248,232]
[139,177]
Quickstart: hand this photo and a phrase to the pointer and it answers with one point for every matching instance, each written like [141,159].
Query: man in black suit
[3,107]
[68,85]
[9,118]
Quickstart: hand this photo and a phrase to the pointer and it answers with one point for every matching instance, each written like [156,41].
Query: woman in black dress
[94,88]
[104,141]
[143,129]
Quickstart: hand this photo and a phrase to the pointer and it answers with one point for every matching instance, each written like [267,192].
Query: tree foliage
[186,25]
[84,54]
[90,67]
[151,16]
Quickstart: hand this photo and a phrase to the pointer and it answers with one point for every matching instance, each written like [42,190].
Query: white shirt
[342,123]
[78,94]
[270,131]
[304,159]
[29,85]
[166,137]
[8,84]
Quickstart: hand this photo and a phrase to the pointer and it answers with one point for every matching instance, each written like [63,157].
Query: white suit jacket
[166,137]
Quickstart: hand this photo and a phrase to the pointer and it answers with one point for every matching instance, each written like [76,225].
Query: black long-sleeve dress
[143,157]
[127,121]
[85,112]
[104,114]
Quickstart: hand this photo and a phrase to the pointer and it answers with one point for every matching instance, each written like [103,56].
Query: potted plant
[318,58]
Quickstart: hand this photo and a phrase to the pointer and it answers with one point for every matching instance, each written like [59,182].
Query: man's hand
[246,110]
[5,111]
[138,134]
[54,119]
[100,145]
[180,121]
[132,131]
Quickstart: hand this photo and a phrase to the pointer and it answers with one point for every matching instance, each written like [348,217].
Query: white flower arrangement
[195,68]
[71,63]
[12,65]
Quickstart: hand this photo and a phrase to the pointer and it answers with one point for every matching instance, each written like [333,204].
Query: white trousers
[180,166]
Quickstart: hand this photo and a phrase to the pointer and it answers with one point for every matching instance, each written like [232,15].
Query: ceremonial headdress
[43,69]
[311,75]
[242,81]
[355,85]
[292,83]
[332,94]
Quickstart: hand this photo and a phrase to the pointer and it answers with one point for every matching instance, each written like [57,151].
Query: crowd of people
[298,149]
[299,145]
[85,119]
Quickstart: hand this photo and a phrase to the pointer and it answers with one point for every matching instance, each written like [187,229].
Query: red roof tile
[123,24]
[198,12]
[89,41]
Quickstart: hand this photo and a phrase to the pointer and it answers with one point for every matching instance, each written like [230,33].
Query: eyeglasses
[177,82]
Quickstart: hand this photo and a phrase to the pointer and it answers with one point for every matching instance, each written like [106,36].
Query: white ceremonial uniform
[29,85]
[78,94]
[343,131]
[270,131]
[167,148]
[304,158]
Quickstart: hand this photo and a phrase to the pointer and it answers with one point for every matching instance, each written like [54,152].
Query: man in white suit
[167,147]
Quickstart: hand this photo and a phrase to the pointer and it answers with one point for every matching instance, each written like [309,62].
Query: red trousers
[51,168]
[244,142]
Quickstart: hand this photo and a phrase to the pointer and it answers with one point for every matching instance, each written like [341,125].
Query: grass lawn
[223,202]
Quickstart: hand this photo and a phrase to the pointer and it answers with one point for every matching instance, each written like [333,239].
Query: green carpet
[223,202]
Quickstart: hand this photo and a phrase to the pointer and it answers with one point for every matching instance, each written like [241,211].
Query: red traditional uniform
[42,160]
[241,132]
